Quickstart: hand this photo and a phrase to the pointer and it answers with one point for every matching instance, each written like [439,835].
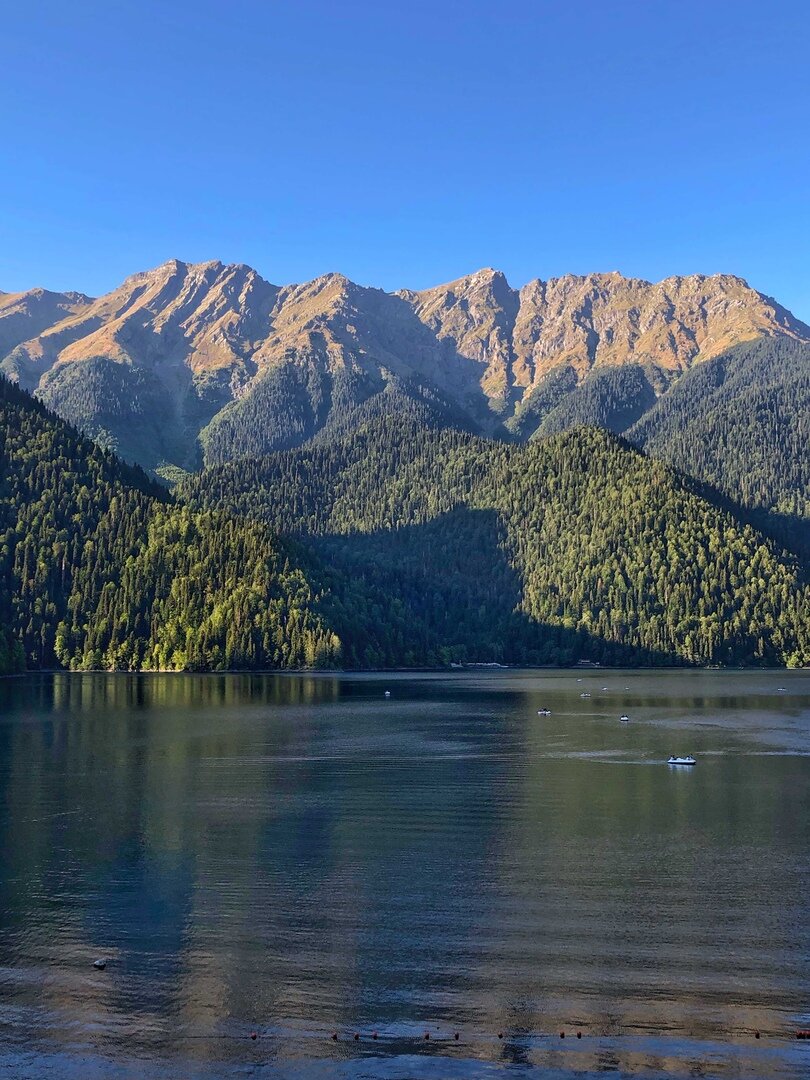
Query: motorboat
[624,718]
[689,760]
[544,712]
[585,695]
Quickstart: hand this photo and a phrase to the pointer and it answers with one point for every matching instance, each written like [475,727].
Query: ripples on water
[294,855]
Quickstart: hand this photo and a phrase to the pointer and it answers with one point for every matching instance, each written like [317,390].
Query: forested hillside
[741,422]
[297,409]
[613,554]
[100,569]
[404,544]
[610,398]
[188,365]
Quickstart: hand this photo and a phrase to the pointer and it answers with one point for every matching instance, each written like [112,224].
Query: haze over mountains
[187,365]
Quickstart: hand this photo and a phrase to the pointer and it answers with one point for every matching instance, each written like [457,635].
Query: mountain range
[589,468]
[196,364]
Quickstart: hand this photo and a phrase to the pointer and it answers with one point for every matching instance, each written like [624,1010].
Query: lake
[298,855]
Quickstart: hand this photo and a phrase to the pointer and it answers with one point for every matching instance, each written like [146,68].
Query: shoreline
[463,669]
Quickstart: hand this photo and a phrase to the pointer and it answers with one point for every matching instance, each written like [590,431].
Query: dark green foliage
[292,404]
[567,546]
[12,655]
[612,398]
[408,544]
[129,410]
[409,400]
[445,592]
[545,397]
[284,408]
[742,423]
[98,567]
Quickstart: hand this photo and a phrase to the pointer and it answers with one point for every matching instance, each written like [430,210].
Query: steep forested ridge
[403,544]
[100,568]
[742,423]
[610,398]
[578,534]
[328,410]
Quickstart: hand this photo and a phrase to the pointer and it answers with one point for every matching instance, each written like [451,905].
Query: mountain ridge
[190,363]
[395,545]
[581,533]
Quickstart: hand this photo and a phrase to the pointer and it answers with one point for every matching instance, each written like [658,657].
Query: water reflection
[299,854]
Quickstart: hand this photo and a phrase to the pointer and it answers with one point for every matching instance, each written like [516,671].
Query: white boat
[681,760]
[624,717]
[584,695]
[387,693]
[544,712]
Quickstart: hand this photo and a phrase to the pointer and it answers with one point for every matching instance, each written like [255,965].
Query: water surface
[298,855]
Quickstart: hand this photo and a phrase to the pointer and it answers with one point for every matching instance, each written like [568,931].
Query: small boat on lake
[387,693]
[544,712]
[584,695]
[624,718]
[689,760]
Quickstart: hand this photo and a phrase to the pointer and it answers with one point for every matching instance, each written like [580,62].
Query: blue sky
[406,144]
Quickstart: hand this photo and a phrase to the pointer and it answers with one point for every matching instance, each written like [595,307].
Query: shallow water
[297,855]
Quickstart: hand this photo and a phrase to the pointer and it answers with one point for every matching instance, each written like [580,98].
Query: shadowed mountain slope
[742,422]
[188,364]
[405,545]
[100,568]
[601,540]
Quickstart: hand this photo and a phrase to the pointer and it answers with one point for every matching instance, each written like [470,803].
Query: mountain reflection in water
[297,855]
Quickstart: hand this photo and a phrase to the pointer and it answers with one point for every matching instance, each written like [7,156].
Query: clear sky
[405,144]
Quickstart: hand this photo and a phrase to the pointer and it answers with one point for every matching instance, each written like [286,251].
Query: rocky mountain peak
[27,314]
[208,336]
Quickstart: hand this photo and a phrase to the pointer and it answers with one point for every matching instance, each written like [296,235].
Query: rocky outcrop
[605,320]
[191,355]
[25,315]
[475,318]
[600,320]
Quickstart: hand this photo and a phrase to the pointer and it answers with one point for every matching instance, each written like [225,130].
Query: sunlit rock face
[194,362]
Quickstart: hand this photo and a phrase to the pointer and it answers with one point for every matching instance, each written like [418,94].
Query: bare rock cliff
[177,346]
